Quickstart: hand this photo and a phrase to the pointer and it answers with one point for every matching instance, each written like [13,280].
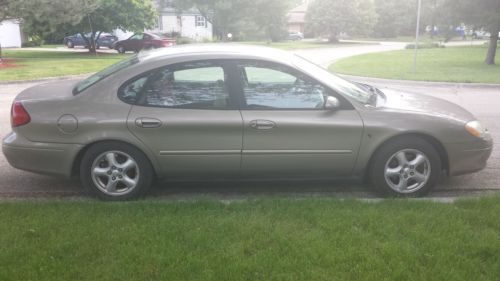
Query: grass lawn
[453,64]
[25,65]
[50,46]
[260,239]
[410,39]
[39,64]
[292,45]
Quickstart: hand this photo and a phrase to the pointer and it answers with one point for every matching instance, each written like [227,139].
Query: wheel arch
[443,155]
[77,161]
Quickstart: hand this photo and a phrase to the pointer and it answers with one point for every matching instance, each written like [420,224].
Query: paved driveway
[483,101]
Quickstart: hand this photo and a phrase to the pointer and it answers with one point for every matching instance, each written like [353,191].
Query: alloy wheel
[115,173]
[407,171]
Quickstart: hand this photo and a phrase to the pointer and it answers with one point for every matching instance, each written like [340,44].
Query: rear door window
[198,85]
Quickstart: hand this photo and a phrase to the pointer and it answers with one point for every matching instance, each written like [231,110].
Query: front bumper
[44,158]
[468,157]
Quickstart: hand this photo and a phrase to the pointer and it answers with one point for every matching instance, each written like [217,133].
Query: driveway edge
[417,83]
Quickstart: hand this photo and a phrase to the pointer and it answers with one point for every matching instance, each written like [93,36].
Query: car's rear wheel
[70,44]
[121,49]
[116,171]
[405,167]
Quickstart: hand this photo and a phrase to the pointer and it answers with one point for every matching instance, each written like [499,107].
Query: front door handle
[260,124]
[145,122]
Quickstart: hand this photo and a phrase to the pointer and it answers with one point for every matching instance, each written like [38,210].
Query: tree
[331,17]
[270,16]
[481,14]
[240,16]
[107,15]
[395,17]
[48,16]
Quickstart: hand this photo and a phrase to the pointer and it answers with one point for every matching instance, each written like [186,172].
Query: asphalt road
[482,100]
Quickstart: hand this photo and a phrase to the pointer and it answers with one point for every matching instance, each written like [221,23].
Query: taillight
[18,115]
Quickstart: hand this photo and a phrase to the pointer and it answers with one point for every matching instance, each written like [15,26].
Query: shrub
[424,46]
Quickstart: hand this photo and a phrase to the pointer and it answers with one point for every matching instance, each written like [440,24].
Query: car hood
[49,91]
[423,104]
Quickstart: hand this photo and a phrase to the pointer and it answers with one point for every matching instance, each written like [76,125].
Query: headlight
[476,129]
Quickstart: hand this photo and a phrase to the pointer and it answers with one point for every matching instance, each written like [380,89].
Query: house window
[200,21]
[159,23]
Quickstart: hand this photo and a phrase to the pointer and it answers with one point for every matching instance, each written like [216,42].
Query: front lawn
[25,65]
[260,239]
[453,64]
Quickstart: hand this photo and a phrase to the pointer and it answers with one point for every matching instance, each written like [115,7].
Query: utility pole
[416,37]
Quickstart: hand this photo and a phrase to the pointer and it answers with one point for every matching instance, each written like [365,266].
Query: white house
[10,33]
[189,23]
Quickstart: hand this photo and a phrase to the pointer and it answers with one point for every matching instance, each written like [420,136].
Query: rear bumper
[468,157]
[44,158]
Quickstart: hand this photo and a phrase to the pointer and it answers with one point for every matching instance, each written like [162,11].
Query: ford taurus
[234,111]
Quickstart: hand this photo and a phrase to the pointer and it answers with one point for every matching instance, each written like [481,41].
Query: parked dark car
[104,40]
[141,41]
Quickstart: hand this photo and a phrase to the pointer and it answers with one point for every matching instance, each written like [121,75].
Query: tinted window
[272,86]
[195,85]
[85,83]
[136,37]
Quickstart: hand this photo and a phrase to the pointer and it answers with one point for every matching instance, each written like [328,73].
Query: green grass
[293,45]
[410,39]
[453,64]
[40,64]
[267,239]
[50,46]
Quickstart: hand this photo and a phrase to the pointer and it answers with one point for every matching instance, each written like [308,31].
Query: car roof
[220,50]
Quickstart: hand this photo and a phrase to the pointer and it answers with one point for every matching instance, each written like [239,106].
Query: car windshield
[85,83]
[338,84]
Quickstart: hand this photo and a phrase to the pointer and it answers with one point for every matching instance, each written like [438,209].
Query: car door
[185,114]
[134,43]
[147,41]
[287,130]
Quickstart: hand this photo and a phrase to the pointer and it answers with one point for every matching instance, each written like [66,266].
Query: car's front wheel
[70,44]
[405,167]
[116,171]
[121,49]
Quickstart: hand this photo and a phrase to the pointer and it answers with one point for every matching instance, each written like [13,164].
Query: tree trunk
[89,42]
[492,47]
[92,48]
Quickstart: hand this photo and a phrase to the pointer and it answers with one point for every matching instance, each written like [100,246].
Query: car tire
[70,44]
[121,49]
[405,167]
[116,171]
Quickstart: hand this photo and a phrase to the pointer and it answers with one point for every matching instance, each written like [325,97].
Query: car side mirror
[332,103]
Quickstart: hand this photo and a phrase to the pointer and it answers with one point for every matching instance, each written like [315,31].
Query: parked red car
[141,41]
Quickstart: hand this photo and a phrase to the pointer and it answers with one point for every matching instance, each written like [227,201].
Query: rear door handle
[261,124]
[145,122]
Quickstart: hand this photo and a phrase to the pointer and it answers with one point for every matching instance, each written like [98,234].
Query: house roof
[302,8]
[298,14]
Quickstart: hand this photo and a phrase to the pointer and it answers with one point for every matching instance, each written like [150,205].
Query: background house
[296,18]
[189,23]
[10,34]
